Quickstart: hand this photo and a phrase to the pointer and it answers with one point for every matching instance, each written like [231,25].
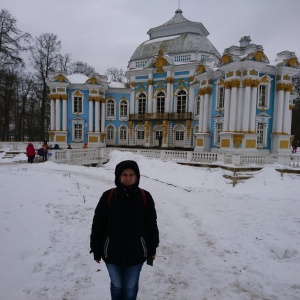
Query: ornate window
[123,109]
[140,134]
[142,103]
[181,102]
[198,100]
[77,103]
[220,97]
[161,102]
[110,108]
[260,132]
[110,135]
[78,132]
[123,135]
[263,93]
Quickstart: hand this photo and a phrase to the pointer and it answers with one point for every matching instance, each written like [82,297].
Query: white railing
[100,155]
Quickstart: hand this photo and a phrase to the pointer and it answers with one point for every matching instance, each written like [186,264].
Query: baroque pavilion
[181,92]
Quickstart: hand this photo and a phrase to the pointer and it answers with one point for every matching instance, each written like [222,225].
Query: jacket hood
[127,164]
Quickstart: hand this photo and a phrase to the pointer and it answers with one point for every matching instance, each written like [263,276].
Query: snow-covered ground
[217,241]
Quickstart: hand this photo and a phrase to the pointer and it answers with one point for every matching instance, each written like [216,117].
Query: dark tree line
[24,96]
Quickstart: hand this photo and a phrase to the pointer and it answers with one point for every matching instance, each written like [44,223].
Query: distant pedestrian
[56,147]
[160,138]
[85,145]
[30,153]
[69,146]
[46,148]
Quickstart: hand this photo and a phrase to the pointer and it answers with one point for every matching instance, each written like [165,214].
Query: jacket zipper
[144,246]
[105,247]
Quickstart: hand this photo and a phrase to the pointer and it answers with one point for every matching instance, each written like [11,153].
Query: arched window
[161,102]
[123,109]
[110,108]
[110,133]
[263,96]
[142,103]
[220,97]
[181,102]
[123,134]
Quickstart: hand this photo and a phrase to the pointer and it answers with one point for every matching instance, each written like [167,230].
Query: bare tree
[64,63]
[81,67]
[11,39]
[115,74]
[44,57]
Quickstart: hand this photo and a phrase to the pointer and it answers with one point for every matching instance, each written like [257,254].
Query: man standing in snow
[124,231]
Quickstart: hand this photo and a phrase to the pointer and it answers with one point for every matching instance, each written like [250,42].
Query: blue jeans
[124,283]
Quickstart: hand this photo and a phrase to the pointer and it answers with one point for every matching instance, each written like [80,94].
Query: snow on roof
[162,39]
[77,78]
[117,85]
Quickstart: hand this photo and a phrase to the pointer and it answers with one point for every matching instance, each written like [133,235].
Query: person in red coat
[30,153]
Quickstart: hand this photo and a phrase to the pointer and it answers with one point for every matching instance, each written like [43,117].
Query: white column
[169,93]
[232,114]
[191,100]
[52,121]
[150,93]
[279,117]
[206,113]
[201,113]
[58,114]
[226,109]
[97,116]
[131,111]
[64,114]
[246,111]
[91,121]
[252,116]
[286,126]
[240,107]
[103,116]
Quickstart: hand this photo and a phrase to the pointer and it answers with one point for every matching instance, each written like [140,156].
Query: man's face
[128,177]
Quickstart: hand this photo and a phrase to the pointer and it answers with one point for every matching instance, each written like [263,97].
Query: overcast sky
[106,33]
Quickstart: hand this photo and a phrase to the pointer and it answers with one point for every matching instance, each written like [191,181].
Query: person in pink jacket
[30,153]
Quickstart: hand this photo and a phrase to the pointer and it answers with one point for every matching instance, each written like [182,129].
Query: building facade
[181,93]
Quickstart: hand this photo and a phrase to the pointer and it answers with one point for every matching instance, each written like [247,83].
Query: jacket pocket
[144,246]
[106,247]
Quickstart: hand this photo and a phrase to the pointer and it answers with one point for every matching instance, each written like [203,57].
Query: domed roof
[176,36]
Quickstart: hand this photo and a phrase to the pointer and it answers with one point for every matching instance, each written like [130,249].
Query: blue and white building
[181,88]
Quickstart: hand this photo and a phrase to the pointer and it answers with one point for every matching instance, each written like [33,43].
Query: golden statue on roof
[160,62]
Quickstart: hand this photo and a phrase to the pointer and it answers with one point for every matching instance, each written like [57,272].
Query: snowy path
[214,244]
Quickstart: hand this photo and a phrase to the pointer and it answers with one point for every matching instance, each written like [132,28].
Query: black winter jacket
[124,232]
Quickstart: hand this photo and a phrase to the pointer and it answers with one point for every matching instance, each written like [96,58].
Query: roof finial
[178,10]
[178,4]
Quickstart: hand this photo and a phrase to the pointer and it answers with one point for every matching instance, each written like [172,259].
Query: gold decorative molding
[235,83]
[94,92]
[264,79]
[192,78]
[292,62]
[225,143]
[165,130]
[130,123]
[238,73]
[170,80]
[150,81]
[245,72]
[237,140]
[250,144]
[286,77]
[203,82]
[102,100]
[102,136]
[221,82]
[200,69]
[225,60]
[147,131]
[207,90]
[247,82]
[288,87]
[284,144]
[132,84]
[260,56]
[188,128]
[229,74]
[253,72]
[255,83]
[78,93]
[227,85]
